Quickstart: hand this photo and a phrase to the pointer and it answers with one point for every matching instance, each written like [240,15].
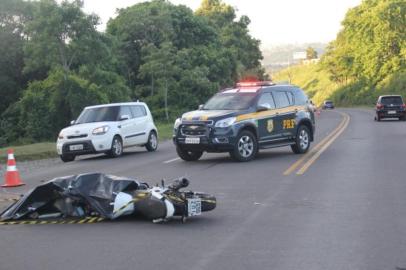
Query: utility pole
[166,100]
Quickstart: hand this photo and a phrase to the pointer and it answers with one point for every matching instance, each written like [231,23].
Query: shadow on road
[225,158]
[133,153]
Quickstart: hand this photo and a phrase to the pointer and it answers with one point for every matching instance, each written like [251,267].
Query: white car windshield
[101,114]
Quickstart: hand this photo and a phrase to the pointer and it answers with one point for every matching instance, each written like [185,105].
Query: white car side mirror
[124,117]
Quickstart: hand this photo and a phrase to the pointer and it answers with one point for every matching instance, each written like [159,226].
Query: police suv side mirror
[261,108]
[201,107]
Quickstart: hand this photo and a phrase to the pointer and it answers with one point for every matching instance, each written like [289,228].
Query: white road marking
[171,160]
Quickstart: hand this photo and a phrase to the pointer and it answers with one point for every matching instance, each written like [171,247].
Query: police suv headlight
[101,130]
[225,122]
[178,121]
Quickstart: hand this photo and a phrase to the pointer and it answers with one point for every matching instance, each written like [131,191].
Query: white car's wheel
[152,143]
[116,147]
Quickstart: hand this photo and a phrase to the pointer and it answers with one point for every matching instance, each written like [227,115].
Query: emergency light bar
[252,84]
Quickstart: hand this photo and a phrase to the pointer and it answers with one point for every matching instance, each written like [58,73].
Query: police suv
[241,120]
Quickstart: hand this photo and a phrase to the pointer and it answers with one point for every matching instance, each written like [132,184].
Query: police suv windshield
[230,101]
[101,114]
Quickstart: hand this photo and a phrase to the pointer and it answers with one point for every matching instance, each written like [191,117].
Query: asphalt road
[346,211]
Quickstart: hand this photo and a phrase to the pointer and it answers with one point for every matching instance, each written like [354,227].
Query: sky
[274,22]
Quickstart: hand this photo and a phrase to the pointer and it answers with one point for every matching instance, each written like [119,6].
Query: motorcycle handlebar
[179,183]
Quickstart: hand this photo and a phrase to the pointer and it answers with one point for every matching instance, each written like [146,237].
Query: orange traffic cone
[12,177]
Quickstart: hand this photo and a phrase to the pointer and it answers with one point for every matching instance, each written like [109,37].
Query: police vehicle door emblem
[269,126]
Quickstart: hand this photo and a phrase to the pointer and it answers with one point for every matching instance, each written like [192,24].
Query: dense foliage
[367,59]
[53,61]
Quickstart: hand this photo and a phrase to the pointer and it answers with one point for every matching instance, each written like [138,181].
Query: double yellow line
[308,159]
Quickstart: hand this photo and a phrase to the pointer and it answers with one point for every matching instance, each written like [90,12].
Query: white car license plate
[391,112]
[76,147]
[192,140]
[194,207]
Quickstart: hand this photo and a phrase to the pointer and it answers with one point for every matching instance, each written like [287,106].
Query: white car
[108,128]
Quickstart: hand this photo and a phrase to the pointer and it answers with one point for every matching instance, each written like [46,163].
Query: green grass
[45,150]
[30,152]
[165,130]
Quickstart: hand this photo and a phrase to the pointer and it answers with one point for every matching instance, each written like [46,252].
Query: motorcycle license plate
[192,140]
[76,147]
[391,112]
[194,207]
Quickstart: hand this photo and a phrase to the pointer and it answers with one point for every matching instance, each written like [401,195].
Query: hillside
[312,78]
[317,83]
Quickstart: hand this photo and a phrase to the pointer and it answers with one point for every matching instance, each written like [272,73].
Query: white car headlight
[225,122]
[178,121]
[101,130]
[60,136]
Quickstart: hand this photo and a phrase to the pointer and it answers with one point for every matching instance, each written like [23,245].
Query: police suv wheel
[67,158]
[152,143]
[246,147]
[188,155]
[116,147]
[302,141]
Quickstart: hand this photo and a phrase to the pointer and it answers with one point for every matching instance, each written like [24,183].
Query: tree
[218,13]
[51,55]
[60,35]
[61,97]
[234,35]
[159,62]
[311,53]
[153,23]
[13,16]
[369,46]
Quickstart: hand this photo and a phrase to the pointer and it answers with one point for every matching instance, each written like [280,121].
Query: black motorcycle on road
[108,197]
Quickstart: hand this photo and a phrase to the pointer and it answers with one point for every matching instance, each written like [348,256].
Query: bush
[49,105]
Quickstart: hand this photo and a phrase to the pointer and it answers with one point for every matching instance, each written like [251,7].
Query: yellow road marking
[314,149]
[8,199]
[325,146]
[93,220]
[42,222]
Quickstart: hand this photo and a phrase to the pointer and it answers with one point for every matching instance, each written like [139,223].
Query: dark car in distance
[390,106]
[328,104]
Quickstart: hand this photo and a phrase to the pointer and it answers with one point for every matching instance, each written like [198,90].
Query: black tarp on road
[73,196]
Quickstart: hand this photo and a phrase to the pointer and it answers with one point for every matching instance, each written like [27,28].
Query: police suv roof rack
[252,84]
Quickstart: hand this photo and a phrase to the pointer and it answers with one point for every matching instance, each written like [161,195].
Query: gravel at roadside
[26,166]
